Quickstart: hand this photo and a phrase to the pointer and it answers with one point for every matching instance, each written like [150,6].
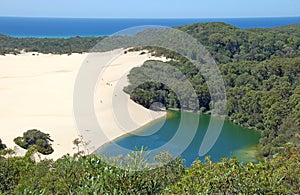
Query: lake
[233,141]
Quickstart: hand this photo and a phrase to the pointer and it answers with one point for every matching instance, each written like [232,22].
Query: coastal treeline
[91,174]
[260,68]
[11,45]
[225,42]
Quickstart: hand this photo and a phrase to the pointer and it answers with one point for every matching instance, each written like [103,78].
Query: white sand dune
[36,92]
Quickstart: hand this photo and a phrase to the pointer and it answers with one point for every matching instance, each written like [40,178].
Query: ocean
[70,27]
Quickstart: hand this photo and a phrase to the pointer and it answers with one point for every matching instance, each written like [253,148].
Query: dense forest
[47,45]
[262,79]
[261,70]
[227,43]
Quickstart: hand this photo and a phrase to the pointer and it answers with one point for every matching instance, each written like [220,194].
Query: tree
[35,137]
[278,176]
[2,146]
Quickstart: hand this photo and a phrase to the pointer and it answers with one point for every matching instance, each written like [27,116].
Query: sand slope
[36,92]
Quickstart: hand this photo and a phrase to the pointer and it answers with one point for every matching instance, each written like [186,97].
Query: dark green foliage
[85,175]
[150,92]
[2,145]
[35,138]
[228,43]
[159,52]
[92,175]
[47,45]
[225,42]
[268,102]
[261,95]
[278,176]
[261,70]
[13,169]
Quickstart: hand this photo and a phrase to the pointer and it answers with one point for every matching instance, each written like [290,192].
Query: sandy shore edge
[36,92]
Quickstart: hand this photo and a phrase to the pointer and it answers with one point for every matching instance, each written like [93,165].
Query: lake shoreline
[160,118]
[233,140]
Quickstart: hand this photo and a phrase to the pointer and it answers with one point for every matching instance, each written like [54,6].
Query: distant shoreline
[86,27]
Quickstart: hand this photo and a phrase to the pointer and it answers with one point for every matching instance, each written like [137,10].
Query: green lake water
[233,141]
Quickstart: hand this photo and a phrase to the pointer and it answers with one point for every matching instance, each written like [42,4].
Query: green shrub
[37,138]
[2,145]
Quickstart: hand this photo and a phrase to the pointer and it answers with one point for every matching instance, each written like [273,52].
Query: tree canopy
[228,43]
[260,68]
[2,145]
[47,45]
[36,138]
[93,175]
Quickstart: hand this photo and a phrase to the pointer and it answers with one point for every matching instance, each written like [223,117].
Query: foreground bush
[92,175]
[278,176]
[83,175]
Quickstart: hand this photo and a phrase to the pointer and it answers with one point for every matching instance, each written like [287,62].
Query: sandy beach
[36,92]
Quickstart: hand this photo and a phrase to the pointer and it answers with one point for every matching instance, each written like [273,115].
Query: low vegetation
[92,174]
[281,175]
[35,138]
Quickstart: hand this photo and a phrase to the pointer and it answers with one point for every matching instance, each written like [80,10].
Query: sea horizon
[141,18]
[46,27]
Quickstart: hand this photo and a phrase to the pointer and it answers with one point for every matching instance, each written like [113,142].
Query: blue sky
[150,9]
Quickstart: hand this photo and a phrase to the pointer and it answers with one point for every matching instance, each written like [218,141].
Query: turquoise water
[234,141]
[69,27]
